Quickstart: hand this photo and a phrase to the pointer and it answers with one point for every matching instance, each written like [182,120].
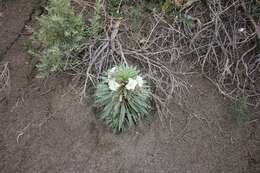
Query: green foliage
[96,25]
[123,73]
[241,110]
[186,19]
[59,31]
[136,18]
[51,61]
[254,9]
[113,6]
[122,107]
[31,49]
[169,5]
[115,3]
[60,26]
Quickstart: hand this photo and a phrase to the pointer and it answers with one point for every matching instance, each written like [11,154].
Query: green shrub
[169,5]
[136,18]
[60,27]
[59,32]
[123,96]
[96,25]
[241,110]
[113,7]
[51,61]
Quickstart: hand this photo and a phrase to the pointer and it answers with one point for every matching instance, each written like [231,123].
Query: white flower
[131,84]
[140,81]
[113,85]
[241,29]
[111,72]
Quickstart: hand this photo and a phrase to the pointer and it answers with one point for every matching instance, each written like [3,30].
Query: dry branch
[4,78]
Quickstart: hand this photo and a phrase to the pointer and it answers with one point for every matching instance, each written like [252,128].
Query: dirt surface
[44,128]
[14,14]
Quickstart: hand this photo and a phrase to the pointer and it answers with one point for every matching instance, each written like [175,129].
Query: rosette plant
[124,97]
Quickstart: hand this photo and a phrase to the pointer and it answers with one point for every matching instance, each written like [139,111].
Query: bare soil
[44,128]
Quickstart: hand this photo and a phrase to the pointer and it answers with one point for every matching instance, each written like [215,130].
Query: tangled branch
[4,78]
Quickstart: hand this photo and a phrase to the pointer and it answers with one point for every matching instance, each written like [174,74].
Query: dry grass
[224,47]
[100,54]
[223,39]
[119,45]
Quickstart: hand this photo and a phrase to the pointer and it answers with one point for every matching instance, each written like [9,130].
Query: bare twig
[4,78]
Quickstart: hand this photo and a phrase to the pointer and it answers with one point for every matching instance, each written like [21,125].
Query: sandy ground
[44,128]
